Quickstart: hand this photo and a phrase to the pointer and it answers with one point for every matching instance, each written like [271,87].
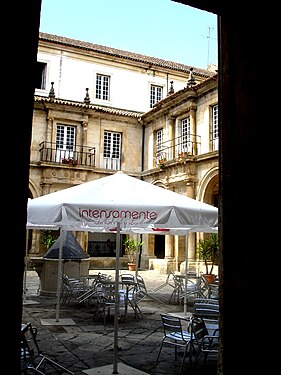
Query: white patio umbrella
[122,204]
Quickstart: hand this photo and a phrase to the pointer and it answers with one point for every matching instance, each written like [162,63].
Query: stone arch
[33,247]
[208,187]
[33,191]
[159,183]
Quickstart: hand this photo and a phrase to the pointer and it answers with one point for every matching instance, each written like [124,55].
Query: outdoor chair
[167,282]
[142,291]
[175,336]
[204,287]
[133,300]
[206,307]
[203,344]
[90,293]
[214,290]
[178,281]
[105,301]
[128,278]
[71,289]
[32,359]
[132,293]
[91,280]
[192,288]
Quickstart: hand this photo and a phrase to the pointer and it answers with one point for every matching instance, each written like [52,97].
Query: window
[102,87]
[156,94]
[186,144]
[215,128]
[65,142]
[112,150]
[40,76]
[160,153]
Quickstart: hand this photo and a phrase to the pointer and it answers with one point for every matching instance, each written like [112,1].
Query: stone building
[241,121]
[98,110]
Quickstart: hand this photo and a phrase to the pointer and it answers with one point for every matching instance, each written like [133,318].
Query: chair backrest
[30,347]
[106,294]
[214,291]
[191,274]
[141,284]
[178,281]
[128,285]
[171,324]
[198,328]
[206,307]
[127,278]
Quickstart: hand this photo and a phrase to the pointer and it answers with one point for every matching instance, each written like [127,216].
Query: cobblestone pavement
[87,344]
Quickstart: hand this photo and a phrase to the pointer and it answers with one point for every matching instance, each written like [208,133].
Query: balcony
[178,149]
[76,156]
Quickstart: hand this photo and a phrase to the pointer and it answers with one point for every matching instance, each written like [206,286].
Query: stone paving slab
[108,370]
[57,322]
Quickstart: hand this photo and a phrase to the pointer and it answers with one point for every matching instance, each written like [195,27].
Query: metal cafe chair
[175,336]
[32,359]
[178,287]
[128,283]
[90,293]
[206,307]
[105,300]
[132,294]
[167,282]
[142,291]
[203,344]
[71,289]
[192,288]
[133,301]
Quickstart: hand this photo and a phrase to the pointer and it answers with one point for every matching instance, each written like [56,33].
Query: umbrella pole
[185,279]
[25,266]
[137,257]
[62,234]
[115,346]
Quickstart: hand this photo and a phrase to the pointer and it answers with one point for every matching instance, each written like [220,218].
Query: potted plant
[182,157]
[48,238]
[161,163]
[208,251]
[132,248]
[69,161]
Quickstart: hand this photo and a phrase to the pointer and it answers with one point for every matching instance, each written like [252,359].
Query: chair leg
[176,353]
[187,348]
[158,355]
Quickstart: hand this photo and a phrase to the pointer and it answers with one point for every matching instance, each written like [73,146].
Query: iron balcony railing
[71,155]
[178,148]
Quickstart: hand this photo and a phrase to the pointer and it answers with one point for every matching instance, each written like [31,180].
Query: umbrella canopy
[100,204]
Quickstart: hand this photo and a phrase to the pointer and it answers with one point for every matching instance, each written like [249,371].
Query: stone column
[169,246]
[170,257]
[190,192]
[171,137]
[193,128]
[45,188]
[84,132]
[49,130]
[84,141]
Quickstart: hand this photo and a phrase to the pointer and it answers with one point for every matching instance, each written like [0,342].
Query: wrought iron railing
[178,148]
[76,155]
